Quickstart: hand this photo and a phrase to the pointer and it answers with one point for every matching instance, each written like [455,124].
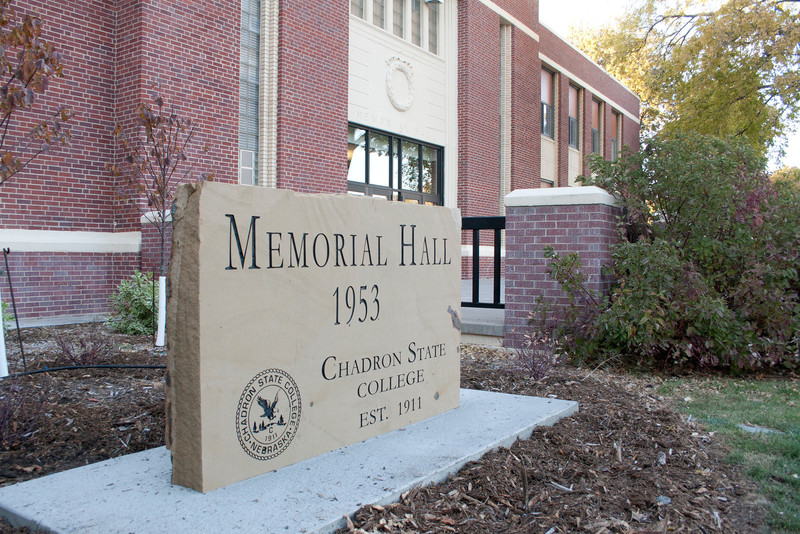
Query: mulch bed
[627,462]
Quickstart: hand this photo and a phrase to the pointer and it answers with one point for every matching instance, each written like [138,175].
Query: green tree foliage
[27,64]
[156,161]
[721,69]
[708,272]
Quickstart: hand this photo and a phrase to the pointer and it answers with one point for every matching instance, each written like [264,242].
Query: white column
[162,310]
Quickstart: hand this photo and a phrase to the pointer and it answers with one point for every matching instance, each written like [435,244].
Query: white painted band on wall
[485,251]
[68,241]
[561,196]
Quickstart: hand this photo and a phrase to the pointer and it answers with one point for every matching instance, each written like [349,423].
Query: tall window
[597,141]
[433,28]
[615,131]
[357,8]
[393,167]
[399,17]
[416,21]
[379,13]
[248,92]
[574,118]
[548,125]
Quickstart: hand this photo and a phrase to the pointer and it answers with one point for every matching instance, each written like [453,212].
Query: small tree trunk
[3,360]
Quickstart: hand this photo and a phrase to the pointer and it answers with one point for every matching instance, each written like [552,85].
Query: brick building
[454,102]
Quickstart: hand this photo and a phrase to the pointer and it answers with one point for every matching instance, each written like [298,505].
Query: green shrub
[133,308]
[663,311]
[708,272]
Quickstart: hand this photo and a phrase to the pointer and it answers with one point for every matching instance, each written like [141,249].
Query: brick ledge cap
[560,196]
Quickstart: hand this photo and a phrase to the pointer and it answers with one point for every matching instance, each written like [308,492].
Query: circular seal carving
[268,414]
[400,83]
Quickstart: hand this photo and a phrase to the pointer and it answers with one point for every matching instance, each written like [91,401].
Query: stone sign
[298,324]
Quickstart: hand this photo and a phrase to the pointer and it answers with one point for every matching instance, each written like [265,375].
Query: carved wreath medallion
[400,83]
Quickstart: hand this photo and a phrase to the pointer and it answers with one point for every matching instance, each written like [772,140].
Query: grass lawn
[772,459]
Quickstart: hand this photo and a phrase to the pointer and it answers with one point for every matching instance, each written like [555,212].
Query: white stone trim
[506,68]
[484,251]
[268,95]
[68,241]
[510,19]
[561,196]
[151,217]
[580,81]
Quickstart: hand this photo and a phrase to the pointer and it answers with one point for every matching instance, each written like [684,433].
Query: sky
[560,15]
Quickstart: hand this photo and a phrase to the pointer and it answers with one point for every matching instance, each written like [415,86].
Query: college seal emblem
[268,414]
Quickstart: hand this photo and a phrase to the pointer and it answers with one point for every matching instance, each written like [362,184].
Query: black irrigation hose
[70,367]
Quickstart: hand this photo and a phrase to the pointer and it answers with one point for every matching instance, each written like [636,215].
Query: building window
[574,118]
[399,17]
[616,129]
[433,28]
[416,21]
[357,8]
[379,13]
[597,140]
[248,92]
[247,167]
[548,125]
[393,167]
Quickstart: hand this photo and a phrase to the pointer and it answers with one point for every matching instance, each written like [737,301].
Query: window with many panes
[393,167]
[597,140]
[615,131]
[407,19]
[574,118]
[548,124]
[248,92]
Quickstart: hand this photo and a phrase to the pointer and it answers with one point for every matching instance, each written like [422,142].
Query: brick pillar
[586,129]
[562,130]
[570,219]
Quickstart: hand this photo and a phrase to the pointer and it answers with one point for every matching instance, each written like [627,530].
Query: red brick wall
[151,248]
[526,112]
[191,51]
[525,11]
[589,230]
[113,54]
[84,32]
[53,284]
[312,96]
[478,109]
[630,133]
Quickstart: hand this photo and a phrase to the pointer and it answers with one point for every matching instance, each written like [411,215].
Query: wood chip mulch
[626,462]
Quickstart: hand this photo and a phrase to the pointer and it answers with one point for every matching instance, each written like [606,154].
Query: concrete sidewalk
[133,493]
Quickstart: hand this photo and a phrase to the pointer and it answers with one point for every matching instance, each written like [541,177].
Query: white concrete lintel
[152,217]
[560,196]
[68,241]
